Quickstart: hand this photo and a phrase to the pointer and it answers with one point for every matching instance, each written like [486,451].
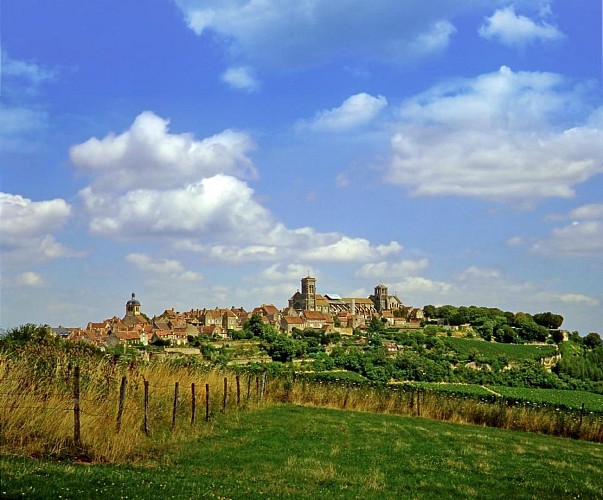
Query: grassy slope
[492,350]
[295,452]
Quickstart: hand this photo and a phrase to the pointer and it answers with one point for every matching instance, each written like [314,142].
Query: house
[211,318]
[230,321]
[270,312]
[289,322]
[123,337]
[316,319]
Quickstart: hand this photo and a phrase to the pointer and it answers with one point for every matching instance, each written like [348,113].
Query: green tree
[255,326]
[28,333]
[430,311]
[593,340]
[557,336]
[376,326]
[548,320]
[283,349]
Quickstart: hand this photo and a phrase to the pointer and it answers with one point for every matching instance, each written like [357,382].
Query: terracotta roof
[293,320]
[317,315]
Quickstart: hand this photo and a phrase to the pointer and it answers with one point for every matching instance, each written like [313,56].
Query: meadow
[290,451]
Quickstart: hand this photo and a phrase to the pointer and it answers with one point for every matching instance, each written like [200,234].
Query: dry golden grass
[37,406]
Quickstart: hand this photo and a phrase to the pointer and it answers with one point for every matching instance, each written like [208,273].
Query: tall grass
[489,411]
[37,404]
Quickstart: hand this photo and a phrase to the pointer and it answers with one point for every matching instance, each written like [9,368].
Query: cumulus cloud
[162,267]
[218,206]
[147,155]
[26,228]
[355,111]
[291,34]
[512,29]
[148,183]
[241,78]
[496,136]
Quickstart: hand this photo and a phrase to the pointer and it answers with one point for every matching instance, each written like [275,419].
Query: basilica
[308,300]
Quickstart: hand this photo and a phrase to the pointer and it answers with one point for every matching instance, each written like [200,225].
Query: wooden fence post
[77,438]
[248,387]
[146,407]
[264,380]
[207,402]
[175,408]
[122,400]
[419,403]
[193,403]
[238,390]
[347,395]
[225,395]
[257,387]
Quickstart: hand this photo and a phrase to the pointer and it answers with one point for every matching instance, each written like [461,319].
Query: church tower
[132,307]
[308,290]
[381,298]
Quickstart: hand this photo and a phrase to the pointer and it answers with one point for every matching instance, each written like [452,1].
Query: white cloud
[497,137]
[581,237]
[575,239]
[29,72]
[26,227]
[419,286]
[162,267]
[147,155]
[577,298]
[149,184]
[587,212]
[241,78]
[355,111]
[216,207]
[391,270]
[515,30]
[21,217]
[284,272]
[290,34]
[20,114]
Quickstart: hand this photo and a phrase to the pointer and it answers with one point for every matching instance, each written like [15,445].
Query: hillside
[288,451]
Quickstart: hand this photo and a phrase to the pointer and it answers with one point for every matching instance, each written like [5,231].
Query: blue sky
[212,153]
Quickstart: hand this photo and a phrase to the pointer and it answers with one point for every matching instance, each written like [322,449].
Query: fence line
[499,411]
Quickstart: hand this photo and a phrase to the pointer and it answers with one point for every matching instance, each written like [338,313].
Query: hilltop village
[329,313]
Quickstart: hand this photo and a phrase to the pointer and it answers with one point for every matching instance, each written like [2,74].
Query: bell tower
[381,298]
[132,306]
[308,290]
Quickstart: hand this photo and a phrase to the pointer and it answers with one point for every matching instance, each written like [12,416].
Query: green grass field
[285,451]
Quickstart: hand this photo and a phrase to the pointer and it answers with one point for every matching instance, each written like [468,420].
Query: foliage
[584,366]
[593,340]
[283,348]
[29,332]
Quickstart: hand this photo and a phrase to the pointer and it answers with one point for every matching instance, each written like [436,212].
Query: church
[308,300]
